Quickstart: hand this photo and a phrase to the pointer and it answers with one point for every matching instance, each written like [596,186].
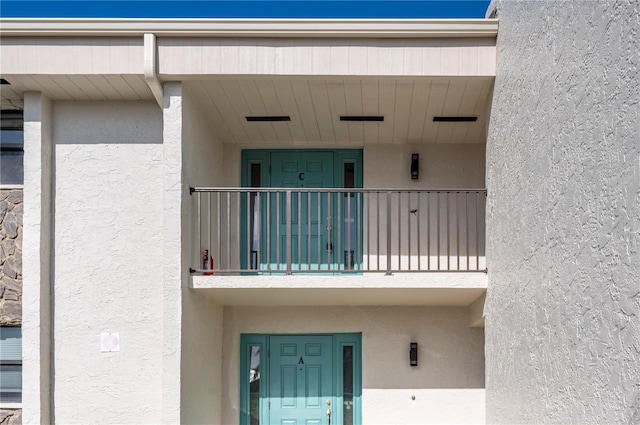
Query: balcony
[282,231]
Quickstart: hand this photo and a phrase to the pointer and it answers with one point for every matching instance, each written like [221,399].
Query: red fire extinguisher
[207,262]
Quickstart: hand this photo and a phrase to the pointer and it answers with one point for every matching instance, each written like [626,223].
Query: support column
[37,323]
[175,232]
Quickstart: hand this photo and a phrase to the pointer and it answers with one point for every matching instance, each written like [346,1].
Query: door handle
[328,416]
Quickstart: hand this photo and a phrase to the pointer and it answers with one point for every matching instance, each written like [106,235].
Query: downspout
[151,68]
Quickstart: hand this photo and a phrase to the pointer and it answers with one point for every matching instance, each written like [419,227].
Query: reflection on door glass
[255,216]
[349,175]
[254,384]
[347,384]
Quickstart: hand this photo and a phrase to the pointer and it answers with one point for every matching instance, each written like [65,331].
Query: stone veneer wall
[563,215]
[10,273]
[11,257]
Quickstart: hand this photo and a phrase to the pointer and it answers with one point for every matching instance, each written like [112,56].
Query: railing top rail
[337,190]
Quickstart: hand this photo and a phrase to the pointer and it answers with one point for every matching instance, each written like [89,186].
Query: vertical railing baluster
[319,231]
[358,215]
[400,231]
[199,233]
[369,231]
[278,241]
[339,232]
[209,247]
[448,235]
[219,227]
[477,233]
[418,227]
[408,230]
[248,227]
[349,257]
[228,230]
[309,230]
[428,230]
[268,226]
[466,224]
[288,203]
[239,234]
[329,230]
[299,236]
[438,225]
[378,229]
[258,229]
[388,234]
[457,231]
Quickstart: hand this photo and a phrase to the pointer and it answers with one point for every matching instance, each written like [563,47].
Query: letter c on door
[301,176]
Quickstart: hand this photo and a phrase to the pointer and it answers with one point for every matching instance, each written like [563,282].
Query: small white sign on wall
[110,342]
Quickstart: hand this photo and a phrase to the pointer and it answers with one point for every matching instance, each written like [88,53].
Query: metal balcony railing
[290,231]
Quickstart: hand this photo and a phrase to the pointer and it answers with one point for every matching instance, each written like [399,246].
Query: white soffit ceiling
[315,105]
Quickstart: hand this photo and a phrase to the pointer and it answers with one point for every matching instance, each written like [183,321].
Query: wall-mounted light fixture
[413,354]
[415,166]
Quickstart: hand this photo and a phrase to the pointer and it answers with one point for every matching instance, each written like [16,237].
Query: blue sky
[244,9]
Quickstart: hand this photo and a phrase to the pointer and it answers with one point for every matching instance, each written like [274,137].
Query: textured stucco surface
[174,231]
[563,174]
[36,260]
[108,261]
[201,351]
[442,166]
[448,383]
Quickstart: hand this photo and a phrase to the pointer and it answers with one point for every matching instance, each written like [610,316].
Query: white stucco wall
[447,385]
[201,353]
[442,166]
[461,220]
[36,260]
[108,204]
[563,167]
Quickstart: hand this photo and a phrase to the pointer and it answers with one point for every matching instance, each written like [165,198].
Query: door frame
[340,340]
[262,157]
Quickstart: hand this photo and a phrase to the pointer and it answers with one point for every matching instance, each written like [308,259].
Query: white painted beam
[476,312]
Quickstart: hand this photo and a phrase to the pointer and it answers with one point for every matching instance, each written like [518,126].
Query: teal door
[311,213]
[301,380]
[326,227]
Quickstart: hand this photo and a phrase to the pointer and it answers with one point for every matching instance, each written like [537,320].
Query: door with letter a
[300,379]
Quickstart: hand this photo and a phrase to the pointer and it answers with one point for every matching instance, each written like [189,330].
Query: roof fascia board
[342,28]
